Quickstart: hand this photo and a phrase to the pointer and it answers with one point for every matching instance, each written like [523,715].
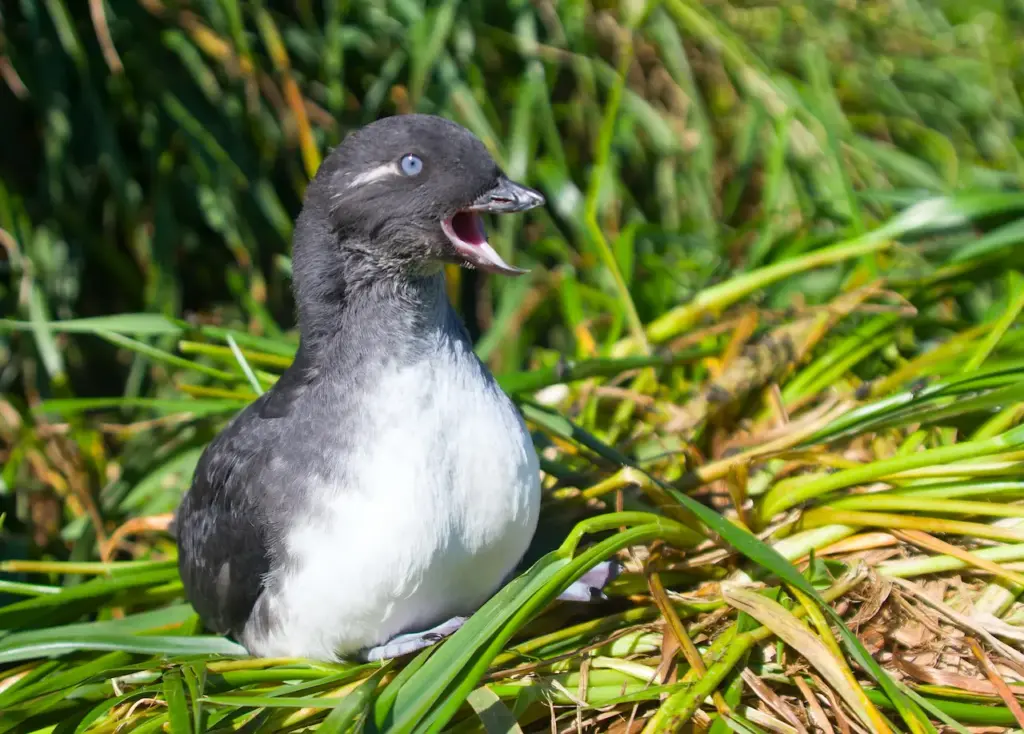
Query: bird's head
[407,193]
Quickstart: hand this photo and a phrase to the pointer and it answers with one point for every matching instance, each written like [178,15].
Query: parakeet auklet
[385,487]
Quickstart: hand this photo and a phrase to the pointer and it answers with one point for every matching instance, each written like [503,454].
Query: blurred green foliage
[154,161]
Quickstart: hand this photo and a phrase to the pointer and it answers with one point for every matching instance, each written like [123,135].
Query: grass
[769,350]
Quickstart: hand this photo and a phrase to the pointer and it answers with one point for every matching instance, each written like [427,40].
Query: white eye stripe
[374,174]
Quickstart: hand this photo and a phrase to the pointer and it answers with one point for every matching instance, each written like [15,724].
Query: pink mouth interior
[469,227]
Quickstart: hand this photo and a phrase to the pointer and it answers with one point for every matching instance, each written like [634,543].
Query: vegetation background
[770,350]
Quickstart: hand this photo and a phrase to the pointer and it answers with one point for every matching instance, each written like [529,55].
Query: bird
[385,486]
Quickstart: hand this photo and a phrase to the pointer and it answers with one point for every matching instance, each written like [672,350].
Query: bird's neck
[395,318]
[352,310]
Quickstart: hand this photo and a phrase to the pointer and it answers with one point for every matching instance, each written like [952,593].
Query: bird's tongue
[467,233]
[469,227]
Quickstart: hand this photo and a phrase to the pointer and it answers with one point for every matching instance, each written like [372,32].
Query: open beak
[466,229]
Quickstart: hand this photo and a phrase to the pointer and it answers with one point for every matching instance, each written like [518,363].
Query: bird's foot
[412,641]
[587,588]
[590,586]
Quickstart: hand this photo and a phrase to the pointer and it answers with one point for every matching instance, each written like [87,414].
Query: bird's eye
[411,165]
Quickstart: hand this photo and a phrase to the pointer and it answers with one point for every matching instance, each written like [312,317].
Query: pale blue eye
[411,165]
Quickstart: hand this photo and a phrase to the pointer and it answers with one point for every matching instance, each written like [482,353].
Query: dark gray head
[402,196]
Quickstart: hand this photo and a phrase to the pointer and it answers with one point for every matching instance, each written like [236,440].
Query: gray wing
[224,527]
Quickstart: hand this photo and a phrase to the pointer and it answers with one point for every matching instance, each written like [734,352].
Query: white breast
[433,511]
